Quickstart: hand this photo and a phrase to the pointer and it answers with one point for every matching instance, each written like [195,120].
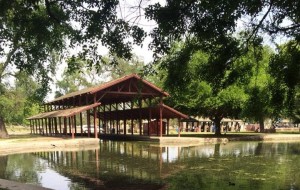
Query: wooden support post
[168,126]
[75,124]
[110,129]
[95,124]
[65,125]
[33,127]
[81,130]
[160,119]
[131,126]
[179,127]
[88,117]
[59,123]
[39,124]
[149,121]
[140,119]
[55,125]
[46,126]
[95,116]
[70,125]
[50,125]
[140,126]
[157,126]
[99,120]
[125,127]
[104,120]
[117,120]
[72,118]
[30,125]
[43,130]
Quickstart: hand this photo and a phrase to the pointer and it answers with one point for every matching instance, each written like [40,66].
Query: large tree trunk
[3,131]
[217,123]
[261,126]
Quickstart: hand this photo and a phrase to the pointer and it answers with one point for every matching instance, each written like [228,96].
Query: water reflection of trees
[20,167]
[250,164]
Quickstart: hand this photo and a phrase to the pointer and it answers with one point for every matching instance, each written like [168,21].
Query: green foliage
[124,67]
[285,69]
[204,84]
[79,74]
[19,102]
[48,23]
[259,107]
[75,77]
[214,21]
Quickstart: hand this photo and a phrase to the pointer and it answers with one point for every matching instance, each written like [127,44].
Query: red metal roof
[63,113]
[119,90]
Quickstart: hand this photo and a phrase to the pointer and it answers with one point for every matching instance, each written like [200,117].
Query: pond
[143,165]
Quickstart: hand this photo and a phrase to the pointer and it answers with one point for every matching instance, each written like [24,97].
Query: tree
[123,67]
[30,30]
[79,74]
[207,83]
[76,77]
[18,101]
[258,107]
[285,69]
[212,21]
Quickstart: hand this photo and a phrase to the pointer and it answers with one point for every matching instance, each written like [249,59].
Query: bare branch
[254,32]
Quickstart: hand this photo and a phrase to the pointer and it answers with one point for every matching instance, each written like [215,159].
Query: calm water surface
[140,165]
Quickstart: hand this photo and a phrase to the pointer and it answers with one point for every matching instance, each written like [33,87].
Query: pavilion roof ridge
[102,86]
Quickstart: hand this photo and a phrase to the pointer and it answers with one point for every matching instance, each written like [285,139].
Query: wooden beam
[131,93]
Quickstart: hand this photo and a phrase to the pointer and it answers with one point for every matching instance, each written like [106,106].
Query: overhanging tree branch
[50,13]
[255,30]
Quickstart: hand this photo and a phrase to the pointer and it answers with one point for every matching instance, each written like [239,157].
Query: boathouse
[118,107]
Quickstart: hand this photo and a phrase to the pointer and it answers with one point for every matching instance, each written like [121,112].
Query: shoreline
[27,144]
[36,144]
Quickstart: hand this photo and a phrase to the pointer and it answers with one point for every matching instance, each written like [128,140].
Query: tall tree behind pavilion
[209,84]
[19,98]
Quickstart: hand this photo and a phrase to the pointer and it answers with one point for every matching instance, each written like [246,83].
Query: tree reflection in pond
[141,165]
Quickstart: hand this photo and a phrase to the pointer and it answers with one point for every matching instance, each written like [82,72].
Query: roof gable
[122,89]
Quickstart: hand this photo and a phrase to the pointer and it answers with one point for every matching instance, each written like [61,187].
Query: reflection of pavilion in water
[135,161]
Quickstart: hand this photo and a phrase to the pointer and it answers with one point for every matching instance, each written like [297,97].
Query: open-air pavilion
[117,107]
